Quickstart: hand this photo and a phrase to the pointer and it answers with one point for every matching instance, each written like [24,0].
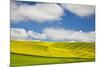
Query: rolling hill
[53,52]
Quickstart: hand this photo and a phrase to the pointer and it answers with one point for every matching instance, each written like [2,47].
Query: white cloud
[36,35]
[80,10]
[22,34]
[18,34]
[39,12]
[83,36]
[57,34]
[69,35]
[49,12]
[53,34]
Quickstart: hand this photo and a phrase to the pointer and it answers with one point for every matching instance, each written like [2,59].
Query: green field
[32,53]
[24,60]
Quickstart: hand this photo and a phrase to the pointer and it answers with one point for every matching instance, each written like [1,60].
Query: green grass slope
[26,60]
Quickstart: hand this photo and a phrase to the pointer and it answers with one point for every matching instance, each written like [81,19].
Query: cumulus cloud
[80,10]
[36,35]
[42,12]
[53,34]
[69,35]
[57,34]
[22,34]
[39,12]
[18,34]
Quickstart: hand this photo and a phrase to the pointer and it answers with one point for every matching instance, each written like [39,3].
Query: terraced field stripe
[84,45]
[76,45]
[59,45]
[63,45]
[56,44]
[70,45]
[79,46]
[88,46]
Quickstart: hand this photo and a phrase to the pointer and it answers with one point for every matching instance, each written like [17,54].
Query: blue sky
[69,20]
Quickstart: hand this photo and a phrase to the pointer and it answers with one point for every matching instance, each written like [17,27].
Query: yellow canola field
[53,49]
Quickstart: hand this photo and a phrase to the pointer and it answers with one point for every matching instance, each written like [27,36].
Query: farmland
[33,53]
